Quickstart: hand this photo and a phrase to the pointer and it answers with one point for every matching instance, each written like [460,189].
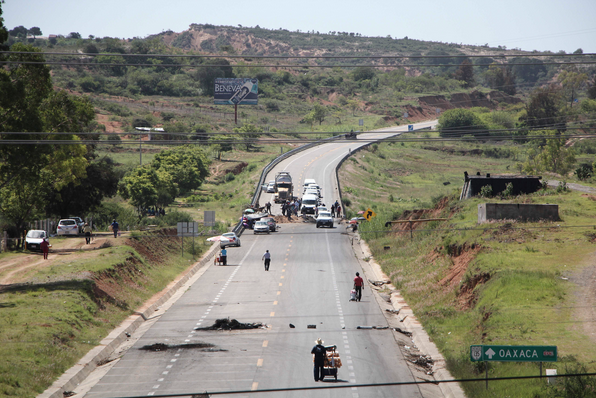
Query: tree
[145,186]
[354,105]
[100,181]
[465,73]
[29,104]
[501,78]
[74,35]
[35,31]
[207,75]
[592,88]
[187,165]
[529,70]
[552,156]
[542,110]
[363,73]
[19,31]
[339,114]
[319,113]
[309,119]
[571,81]
[458,122]
[3,33]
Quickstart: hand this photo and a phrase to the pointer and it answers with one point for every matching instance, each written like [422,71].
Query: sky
[542,25]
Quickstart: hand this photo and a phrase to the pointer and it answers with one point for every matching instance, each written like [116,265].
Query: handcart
[332,361]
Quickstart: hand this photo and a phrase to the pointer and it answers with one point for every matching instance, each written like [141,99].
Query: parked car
[80,223]
[34,238]
[324,219]
[261,227]
[271,222]
[229,239]
[67,226]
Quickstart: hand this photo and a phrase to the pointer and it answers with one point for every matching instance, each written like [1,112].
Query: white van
[308,181]
[309,204]
[313,191]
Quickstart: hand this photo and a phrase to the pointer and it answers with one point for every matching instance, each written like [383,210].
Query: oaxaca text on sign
[513,353]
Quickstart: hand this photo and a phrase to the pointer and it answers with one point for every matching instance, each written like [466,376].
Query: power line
[337,133]
[387,66]
[299,56]
[264,141]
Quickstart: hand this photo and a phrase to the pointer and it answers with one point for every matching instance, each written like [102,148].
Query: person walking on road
[318,357]
[268,207]
[267,258]
[358,286]
[87,232]
[45,248]
[115,228]
[223,256]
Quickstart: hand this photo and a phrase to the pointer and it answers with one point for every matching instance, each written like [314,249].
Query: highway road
[308,283]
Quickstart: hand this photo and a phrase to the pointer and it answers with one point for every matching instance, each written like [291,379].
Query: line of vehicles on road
[283,189]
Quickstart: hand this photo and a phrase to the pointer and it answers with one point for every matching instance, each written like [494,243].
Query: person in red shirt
[358,286]
[45,248]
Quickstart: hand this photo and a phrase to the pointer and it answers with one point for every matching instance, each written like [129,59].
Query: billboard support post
[235,113]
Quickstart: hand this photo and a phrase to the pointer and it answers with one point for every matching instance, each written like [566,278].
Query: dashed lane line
[341,319]
[207,311]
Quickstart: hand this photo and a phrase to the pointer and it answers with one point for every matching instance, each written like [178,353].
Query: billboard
[242,91]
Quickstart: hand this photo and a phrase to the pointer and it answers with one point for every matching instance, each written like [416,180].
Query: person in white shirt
[267,258]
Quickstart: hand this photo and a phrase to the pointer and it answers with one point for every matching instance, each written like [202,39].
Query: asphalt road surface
[309,283]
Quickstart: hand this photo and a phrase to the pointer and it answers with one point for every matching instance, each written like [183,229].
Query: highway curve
[307,286]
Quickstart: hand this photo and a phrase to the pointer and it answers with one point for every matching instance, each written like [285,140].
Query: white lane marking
[210,307]
[340,311]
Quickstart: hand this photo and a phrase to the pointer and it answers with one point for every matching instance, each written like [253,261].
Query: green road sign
[513,353]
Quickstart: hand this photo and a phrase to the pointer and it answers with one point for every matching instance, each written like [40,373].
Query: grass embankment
[502,283]
[61,309]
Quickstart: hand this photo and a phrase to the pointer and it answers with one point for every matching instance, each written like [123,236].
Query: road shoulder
[400,316]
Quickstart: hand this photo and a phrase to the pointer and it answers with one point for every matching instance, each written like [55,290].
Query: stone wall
[517,211]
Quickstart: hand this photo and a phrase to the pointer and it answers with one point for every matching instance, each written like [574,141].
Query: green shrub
[486,191]
[508,192]
[562,187]
[114,139]
[459,122]
[229,177]
[584,171]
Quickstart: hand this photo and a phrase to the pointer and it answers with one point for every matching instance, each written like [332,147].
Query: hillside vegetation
[502,283]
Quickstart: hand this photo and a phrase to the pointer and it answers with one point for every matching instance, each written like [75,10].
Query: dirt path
[573,186]
[585,297]
[11,270]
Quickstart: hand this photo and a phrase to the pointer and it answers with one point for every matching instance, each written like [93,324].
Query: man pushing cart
[326,360]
